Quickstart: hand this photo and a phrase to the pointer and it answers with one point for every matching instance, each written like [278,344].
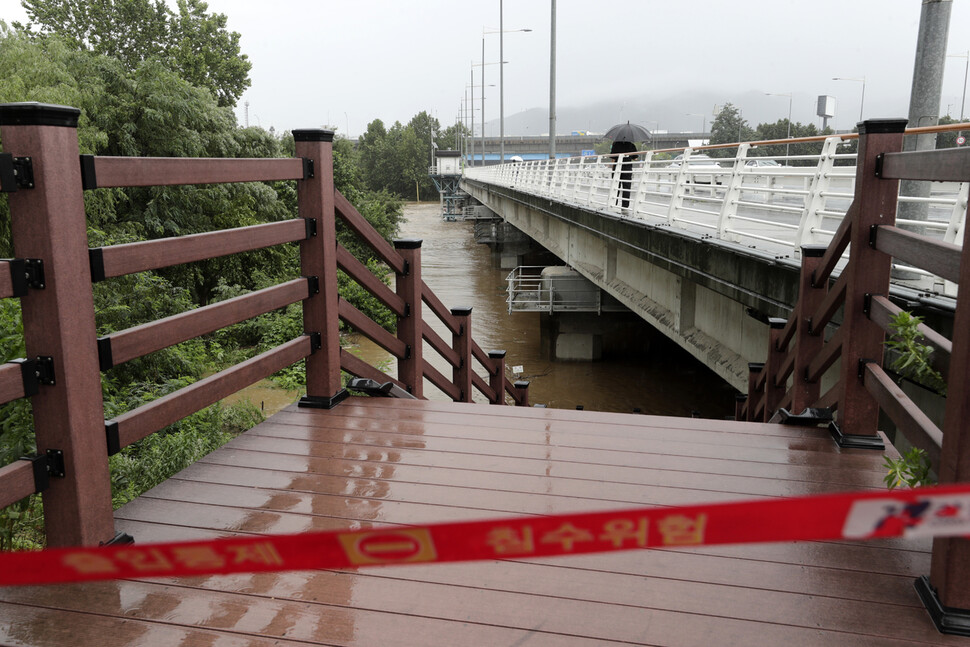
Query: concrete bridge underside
[711,299]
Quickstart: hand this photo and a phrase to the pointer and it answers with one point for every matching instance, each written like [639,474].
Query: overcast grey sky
[348,62]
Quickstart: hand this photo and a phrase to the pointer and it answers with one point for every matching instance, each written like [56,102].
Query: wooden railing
[787,385]
[53,275]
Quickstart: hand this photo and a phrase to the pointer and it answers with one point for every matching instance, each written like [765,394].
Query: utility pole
[552,84]
[924,99]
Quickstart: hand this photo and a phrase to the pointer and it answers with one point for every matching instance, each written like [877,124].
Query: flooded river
[665,381]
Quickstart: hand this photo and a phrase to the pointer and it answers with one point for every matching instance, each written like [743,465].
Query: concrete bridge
[705,252]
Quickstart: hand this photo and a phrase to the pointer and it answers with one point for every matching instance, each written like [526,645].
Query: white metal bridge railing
[771,204]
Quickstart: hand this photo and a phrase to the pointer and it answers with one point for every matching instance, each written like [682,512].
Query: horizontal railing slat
[359,368]
[785,370]
[6,280]
[156,335]
[934,256]
[915,425]
[830,352]
[439,308]
[370,329]
[830,304]
[119,260]
[482,357]
[482,387]
[440,345]
[362,228]
[16,482]
[840,240]
[11,382]
[447,386]
[149,418]
[359,272]
[167,171]
[881,312]
[949,165]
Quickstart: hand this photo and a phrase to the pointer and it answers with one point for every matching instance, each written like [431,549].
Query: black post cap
[496,354]
[814,251]
[777,322]
[313,135]
[32,113]
[462,311]
[881,126]
[521,384]
[408,243]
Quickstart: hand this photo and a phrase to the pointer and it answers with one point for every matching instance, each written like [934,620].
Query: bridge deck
[390,461]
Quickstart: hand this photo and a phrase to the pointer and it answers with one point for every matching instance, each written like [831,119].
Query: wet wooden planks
[383,461]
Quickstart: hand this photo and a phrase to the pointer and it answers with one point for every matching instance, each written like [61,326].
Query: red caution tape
[932,511]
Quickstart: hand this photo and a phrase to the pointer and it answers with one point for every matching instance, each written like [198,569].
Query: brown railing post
[48,223]
[496,376]
[521,388]
[868,273]
[318,257]
[754,395]
[462,343]
[774,394]
[808,344]
[951,556]
[410,369]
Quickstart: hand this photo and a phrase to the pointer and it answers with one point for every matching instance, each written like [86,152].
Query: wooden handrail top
[829,306]
[908,417]
[881,312]
[838,244]
[129,258]
[103,171]
[824,360]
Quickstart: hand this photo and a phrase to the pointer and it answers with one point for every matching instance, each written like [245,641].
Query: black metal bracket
[948,620]
[810,417]
[323,402]
[373,388]
[96,261]
[407,351]
[855,441]
[34,273]
[55,463]
[28,374]
[44,370]
[407,269]
[873,234]
[861,372]
[879,160]
[39,465]
[307,168]
[316,341]
[112,437]
[89,176]
[867,303]
[311,227]
[105,358]
[407,309]
[312,284]
[120,539]
[15,173]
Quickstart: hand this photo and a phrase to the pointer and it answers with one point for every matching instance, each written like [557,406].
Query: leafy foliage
[192,43]
[912,469]
[913,358]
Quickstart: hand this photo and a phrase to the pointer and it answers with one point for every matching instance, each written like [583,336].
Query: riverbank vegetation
[153,81]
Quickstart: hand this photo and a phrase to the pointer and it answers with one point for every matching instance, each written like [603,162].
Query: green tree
[193,43]
[729,127]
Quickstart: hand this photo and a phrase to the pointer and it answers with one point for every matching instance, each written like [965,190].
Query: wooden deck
[384,461]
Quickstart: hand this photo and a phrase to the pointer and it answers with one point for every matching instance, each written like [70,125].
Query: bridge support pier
[588,336]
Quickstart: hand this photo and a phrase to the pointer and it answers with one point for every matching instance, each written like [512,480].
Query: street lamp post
[501,76]
[656,127]
[789,95]
[966,69]
[862,101]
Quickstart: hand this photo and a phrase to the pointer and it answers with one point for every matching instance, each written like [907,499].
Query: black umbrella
[628,133]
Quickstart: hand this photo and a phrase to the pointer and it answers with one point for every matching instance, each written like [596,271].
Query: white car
[762,162]
[696,167]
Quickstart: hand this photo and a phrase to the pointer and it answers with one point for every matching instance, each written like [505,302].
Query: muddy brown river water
[666,381]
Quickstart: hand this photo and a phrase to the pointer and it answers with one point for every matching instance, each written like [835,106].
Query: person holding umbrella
[624,137]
